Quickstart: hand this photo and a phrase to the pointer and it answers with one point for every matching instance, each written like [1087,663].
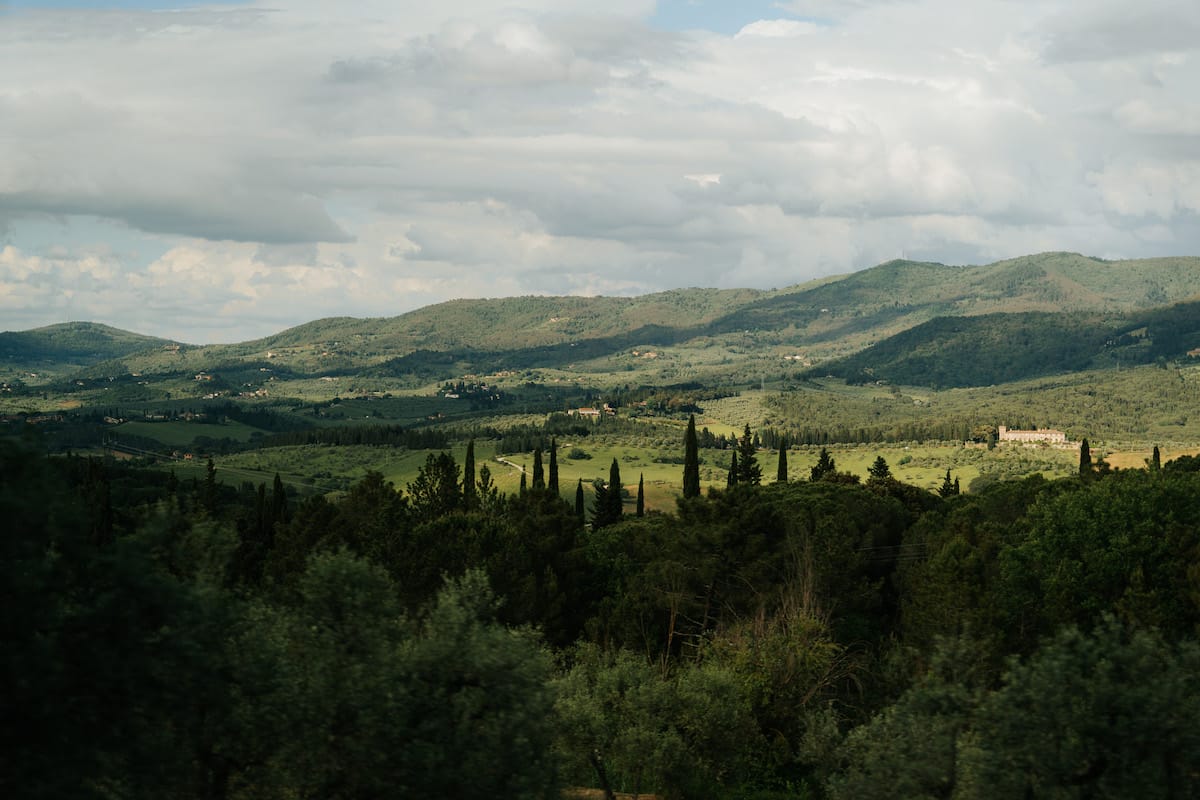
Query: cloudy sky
[219,172]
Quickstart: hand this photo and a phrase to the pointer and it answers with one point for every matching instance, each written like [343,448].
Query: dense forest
[818,637]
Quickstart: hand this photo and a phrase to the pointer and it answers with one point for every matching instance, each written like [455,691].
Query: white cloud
[301,160]
[778,29]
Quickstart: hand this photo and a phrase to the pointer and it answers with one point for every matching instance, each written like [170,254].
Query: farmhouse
[1047,435]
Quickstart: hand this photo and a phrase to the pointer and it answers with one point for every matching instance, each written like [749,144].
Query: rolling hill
[897,321]
[1001,348]
[69,345]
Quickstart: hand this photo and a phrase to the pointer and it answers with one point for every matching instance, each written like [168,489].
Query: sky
[218,172]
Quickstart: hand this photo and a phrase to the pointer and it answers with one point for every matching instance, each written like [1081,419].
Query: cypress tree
[748,469]
[579,506]
[539,475]
[553,483]
[1155,460]
[262,517]
[470,496]
[278,501]
[781,470]
[488,495]
[732,478]
[1085,459]
[523,486]
[691,460]
[641,498]
[209,498]
[615,508]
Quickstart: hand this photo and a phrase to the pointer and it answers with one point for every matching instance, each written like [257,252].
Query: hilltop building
[1049,436]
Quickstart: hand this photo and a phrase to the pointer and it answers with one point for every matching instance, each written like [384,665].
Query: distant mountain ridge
[850,316]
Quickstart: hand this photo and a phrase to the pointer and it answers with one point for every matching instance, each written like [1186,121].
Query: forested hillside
[818,637]
[1002,348]
[69,345]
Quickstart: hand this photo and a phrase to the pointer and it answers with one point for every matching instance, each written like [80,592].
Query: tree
[641,497]
[470,496]
[435,492]
[1106,714]
[209,498]
[689,734]
[279,504]
[452,704]
[608,507]
[1085,459]
[539,474]
[552,485]
[748,469]
[732,478]
[781,472]
[948,488]
[476,719]
[524,487]
[488,494]
[825,466]
[615,501]
[1155,460]
[691,460]
[879,471]
[579,501]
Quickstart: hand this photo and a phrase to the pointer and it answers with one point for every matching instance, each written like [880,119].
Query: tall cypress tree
[615,507]
[1155,460]
[279,509]
[539,475]
[262,517]
[209,498]
[1085,459]
[691,460]
[470,497]
[641,498]
[781,470]
[732,478]
[748,470]
[553,483]
[579,504]
[523,485]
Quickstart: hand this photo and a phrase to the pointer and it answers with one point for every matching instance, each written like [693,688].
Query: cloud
[778,28]
[1111,30]
[292,162]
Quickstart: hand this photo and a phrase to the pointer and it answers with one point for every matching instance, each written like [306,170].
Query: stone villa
[1049,436]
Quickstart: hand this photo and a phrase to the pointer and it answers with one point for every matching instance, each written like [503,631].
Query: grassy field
[317,468]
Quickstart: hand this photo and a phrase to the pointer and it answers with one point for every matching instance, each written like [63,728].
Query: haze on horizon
[222,172]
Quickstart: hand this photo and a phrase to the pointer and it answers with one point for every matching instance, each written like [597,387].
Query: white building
[1047,435]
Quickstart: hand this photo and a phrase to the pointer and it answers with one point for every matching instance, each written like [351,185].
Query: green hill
[828,319]
[1001,348]
[69,345]
[847,314]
